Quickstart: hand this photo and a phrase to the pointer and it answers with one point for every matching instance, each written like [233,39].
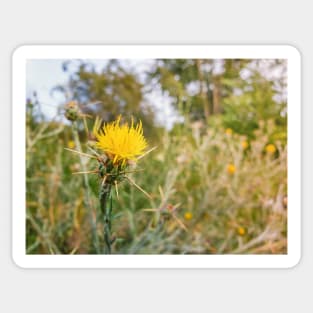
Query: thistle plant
[119,147]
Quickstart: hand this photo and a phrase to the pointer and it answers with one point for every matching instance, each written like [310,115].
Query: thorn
[116,188]
[81,153]
[87,172]
[181,224]
[103,181]
[143,155]
[132,182]
[97,154]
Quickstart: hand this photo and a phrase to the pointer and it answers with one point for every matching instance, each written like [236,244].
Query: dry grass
[212,192]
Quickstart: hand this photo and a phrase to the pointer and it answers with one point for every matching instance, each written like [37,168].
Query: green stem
[106,211]
[87,202]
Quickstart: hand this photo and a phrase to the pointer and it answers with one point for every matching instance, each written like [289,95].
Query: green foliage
[255,103]
[194,85]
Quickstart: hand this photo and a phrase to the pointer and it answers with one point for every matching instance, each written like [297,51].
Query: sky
[44,74]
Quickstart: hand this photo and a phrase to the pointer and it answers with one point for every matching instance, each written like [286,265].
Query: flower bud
[72,111]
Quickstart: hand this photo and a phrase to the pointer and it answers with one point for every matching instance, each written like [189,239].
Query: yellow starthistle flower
[71,144]
[231,169]
[188,216]
[122,143]
[244,144]
[241,231]
[228,131]
[270,148]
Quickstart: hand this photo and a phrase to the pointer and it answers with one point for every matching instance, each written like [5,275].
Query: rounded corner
[19,51]
[294,261]
[17,261]
[294,50]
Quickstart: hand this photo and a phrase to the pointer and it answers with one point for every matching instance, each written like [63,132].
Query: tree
[108,93]
[236,90]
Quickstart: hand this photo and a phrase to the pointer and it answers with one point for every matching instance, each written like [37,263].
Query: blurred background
[218,177]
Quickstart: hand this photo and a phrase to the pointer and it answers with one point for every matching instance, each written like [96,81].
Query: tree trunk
[206,104]
[216,94]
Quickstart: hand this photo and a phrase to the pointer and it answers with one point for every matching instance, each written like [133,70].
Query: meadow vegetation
[217,180]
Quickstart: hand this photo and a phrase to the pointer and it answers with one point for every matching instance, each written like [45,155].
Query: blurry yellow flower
[231,169]
[270,148]
[228,131]
[71,144]
[188,216]
[241,231]
[121,143]
[244,144]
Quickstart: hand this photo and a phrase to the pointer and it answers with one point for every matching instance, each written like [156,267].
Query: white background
[263,22]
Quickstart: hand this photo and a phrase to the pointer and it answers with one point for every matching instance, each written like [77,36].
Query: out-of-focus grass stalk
[95,239]
[52,248]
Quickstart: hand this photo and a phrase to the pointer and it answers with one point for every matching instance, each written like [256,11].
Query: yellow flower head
[241,231]
[71,144]
[231,169]
[188,216]
[270,148]
[121,143]
[244,144]
[228,131]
